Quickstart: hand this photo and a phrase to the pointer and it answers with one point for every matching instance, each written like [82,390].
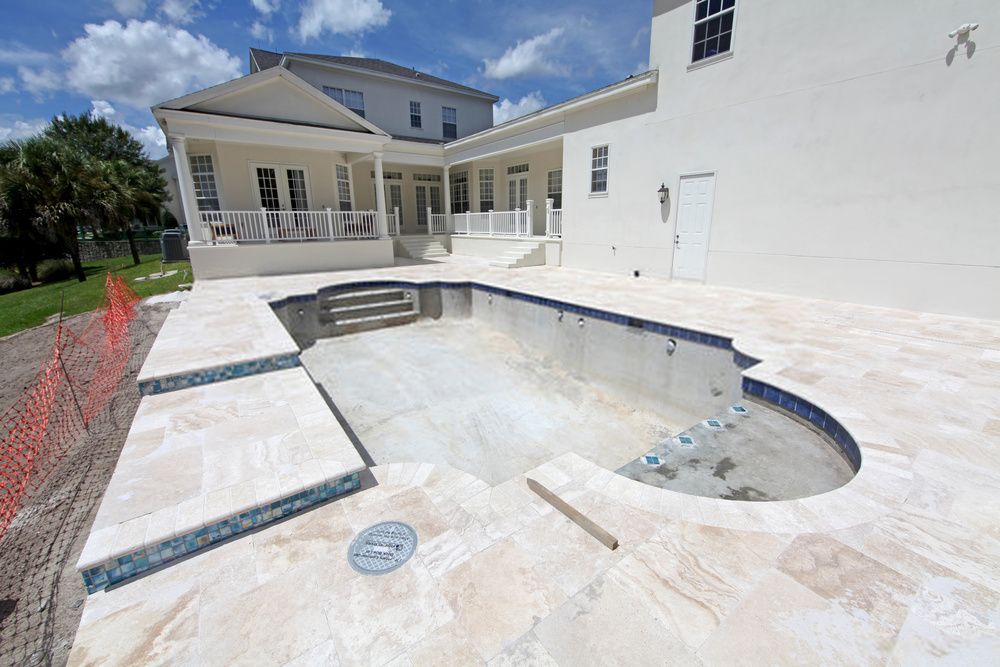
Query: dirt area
[41,595]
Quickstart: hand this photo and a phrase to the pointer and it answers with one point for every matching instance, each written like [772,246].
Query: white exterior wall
[855,155]
[387,102]
[268,259]
[233,172]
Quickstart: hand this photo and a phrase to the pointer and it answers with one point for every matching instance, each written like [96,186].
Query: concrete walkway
[901,565]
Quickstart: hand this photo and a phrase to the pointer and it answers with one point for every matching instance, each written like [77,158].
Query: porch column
[186,186]
[383,222]
[447,201]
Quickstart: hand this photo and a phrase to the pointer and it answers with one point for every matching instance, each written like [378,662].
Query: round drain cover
[382,548]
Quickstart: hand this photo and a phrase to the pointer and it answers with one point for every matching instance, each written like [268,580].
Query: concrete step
[340,313]
[422,248]
[518,255]
[361,297]
[372,322]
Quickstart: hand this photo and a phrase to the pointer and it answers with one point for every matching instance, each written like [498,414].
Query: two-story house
[835,150]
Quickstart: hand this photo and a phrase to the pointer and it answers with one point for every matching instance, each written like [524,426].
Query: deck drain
[382,548]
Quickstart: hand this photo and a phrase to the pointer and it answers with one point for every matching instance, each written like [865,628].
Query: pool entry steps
[366,310]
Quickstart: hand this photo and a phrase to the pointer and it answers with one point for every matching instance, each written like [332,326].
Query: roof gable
[276,95]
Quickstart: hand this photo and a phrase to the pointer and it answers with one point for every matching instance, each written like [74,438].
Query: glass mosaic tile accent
[129,565]
[210,375]
[713,424]
[685,441]
[651,459]
[739,410]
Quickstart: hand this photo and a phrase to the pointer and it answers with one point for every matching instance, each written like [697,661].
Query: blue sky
[117,57]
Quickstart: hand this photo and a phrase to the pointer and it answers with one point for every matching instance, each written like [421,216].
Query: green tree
[131,182]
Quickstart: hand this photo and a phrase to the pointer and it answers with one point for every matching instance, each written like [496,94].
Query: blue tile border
[132,564]
[809,412]
[218,374]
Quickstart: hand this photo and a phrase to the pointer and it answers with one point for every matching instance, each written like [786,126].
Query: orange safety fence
[72,388]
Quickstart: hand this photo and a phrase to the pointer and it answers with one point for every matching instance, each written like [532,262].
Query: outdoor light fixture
[664,192]
[963,29]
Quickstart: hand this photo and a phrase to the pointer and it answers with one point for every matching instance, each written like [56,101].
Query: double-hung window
[416,120]
[449,122]
[555,187]
[599,170]
[485,190]
[203,174]
[344,187]
[713,28]
[352,99]
[459,191]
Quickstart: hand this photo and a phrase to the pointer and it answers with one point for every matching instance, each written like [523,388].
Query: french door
[427,195]
[282,188]
[517,192]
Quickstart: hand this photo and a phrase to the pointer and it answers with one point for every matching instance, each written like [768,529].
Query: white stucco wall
[261,259]
[387,102]
[855,155]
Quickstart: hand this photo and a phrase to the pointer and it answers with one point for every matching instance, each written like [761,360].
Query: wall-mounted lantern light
[664,192]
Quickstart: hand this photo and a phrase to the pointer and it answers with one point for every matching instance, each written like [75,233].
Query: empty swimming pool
[496,383]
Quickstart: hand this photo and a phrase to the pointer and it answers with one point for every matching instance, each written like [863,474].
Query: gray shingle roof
[268,59]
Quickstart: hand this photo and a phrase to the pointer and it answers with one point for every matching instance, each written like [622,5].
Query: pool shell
[690,401]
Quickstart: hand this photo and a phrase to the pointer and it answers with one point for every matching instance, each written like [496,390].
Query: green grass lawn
[31,307]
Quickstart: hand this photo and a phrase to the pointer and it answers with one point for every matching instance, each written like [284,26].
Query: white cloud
[16,53]
[532,56]
[14,127]
[260,31]
[39,82]
[143,62]
[150,136]
[129,8]
[340,17]
[265,7]
[505,110]
[181,11]
[7,85]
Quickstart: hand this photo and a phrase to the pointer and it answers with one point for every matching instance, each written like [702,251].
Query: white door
[280,187]
[427,195]
[517,192]
[694,217]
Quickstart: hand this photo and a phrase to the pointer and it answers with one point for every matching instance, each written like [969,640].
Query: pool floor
[457,392]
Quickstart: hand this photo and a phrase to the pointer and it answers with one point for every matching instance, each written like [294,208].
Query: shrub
[9,283]
[54,270]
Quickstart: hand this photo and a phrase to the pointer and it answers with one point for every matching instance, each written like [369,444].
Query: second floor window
[352,99]
[713,28]
[449,122]
[415,119]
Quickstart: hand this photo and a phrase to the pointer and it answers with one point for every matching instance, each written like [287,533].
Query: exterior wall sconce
[664,192]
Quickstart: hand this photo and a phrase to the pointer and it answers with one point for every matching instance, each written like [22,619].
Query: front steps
[422,247]
[366,310]
[521,254]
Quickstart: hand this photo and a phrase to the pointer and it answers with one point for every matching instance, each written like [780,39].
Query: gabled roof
[267,59]
[208,100]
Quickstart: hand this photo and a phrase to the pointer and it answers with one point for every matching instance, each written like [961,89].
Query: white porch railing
[393,221]
[553,219]
[231,227]
[439,222]
[495,223]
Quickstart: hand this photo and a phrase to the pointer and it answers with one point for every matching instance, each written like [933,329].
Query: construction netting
[73,387]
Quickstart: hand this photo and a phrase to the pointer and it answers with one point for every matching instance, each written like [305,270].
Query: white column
[530,204]
[186,185]
[447,199]
[430,221]
[383,222]
[548,216]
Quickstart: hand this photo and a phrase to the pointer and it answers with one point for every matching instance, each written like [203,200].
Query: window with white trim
[459,191]
[486,191]
[517,169]
[713,28]
[416,120]
[352,99]
[203,174]
[449,122]
[599,170]
[430,178]
[344,188]
[555,188]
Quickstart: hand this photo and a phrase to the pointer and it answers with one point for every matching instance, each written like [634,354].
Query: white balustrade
[553,219]
[231,227]
[495,223]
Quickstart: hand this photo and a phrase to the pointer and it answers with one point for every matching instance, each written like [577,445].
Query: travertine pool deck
[901,565]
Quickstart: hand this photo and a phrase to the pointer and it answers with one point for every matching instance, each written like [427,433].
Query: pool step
[372,322]
[521,254]
[365,310]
